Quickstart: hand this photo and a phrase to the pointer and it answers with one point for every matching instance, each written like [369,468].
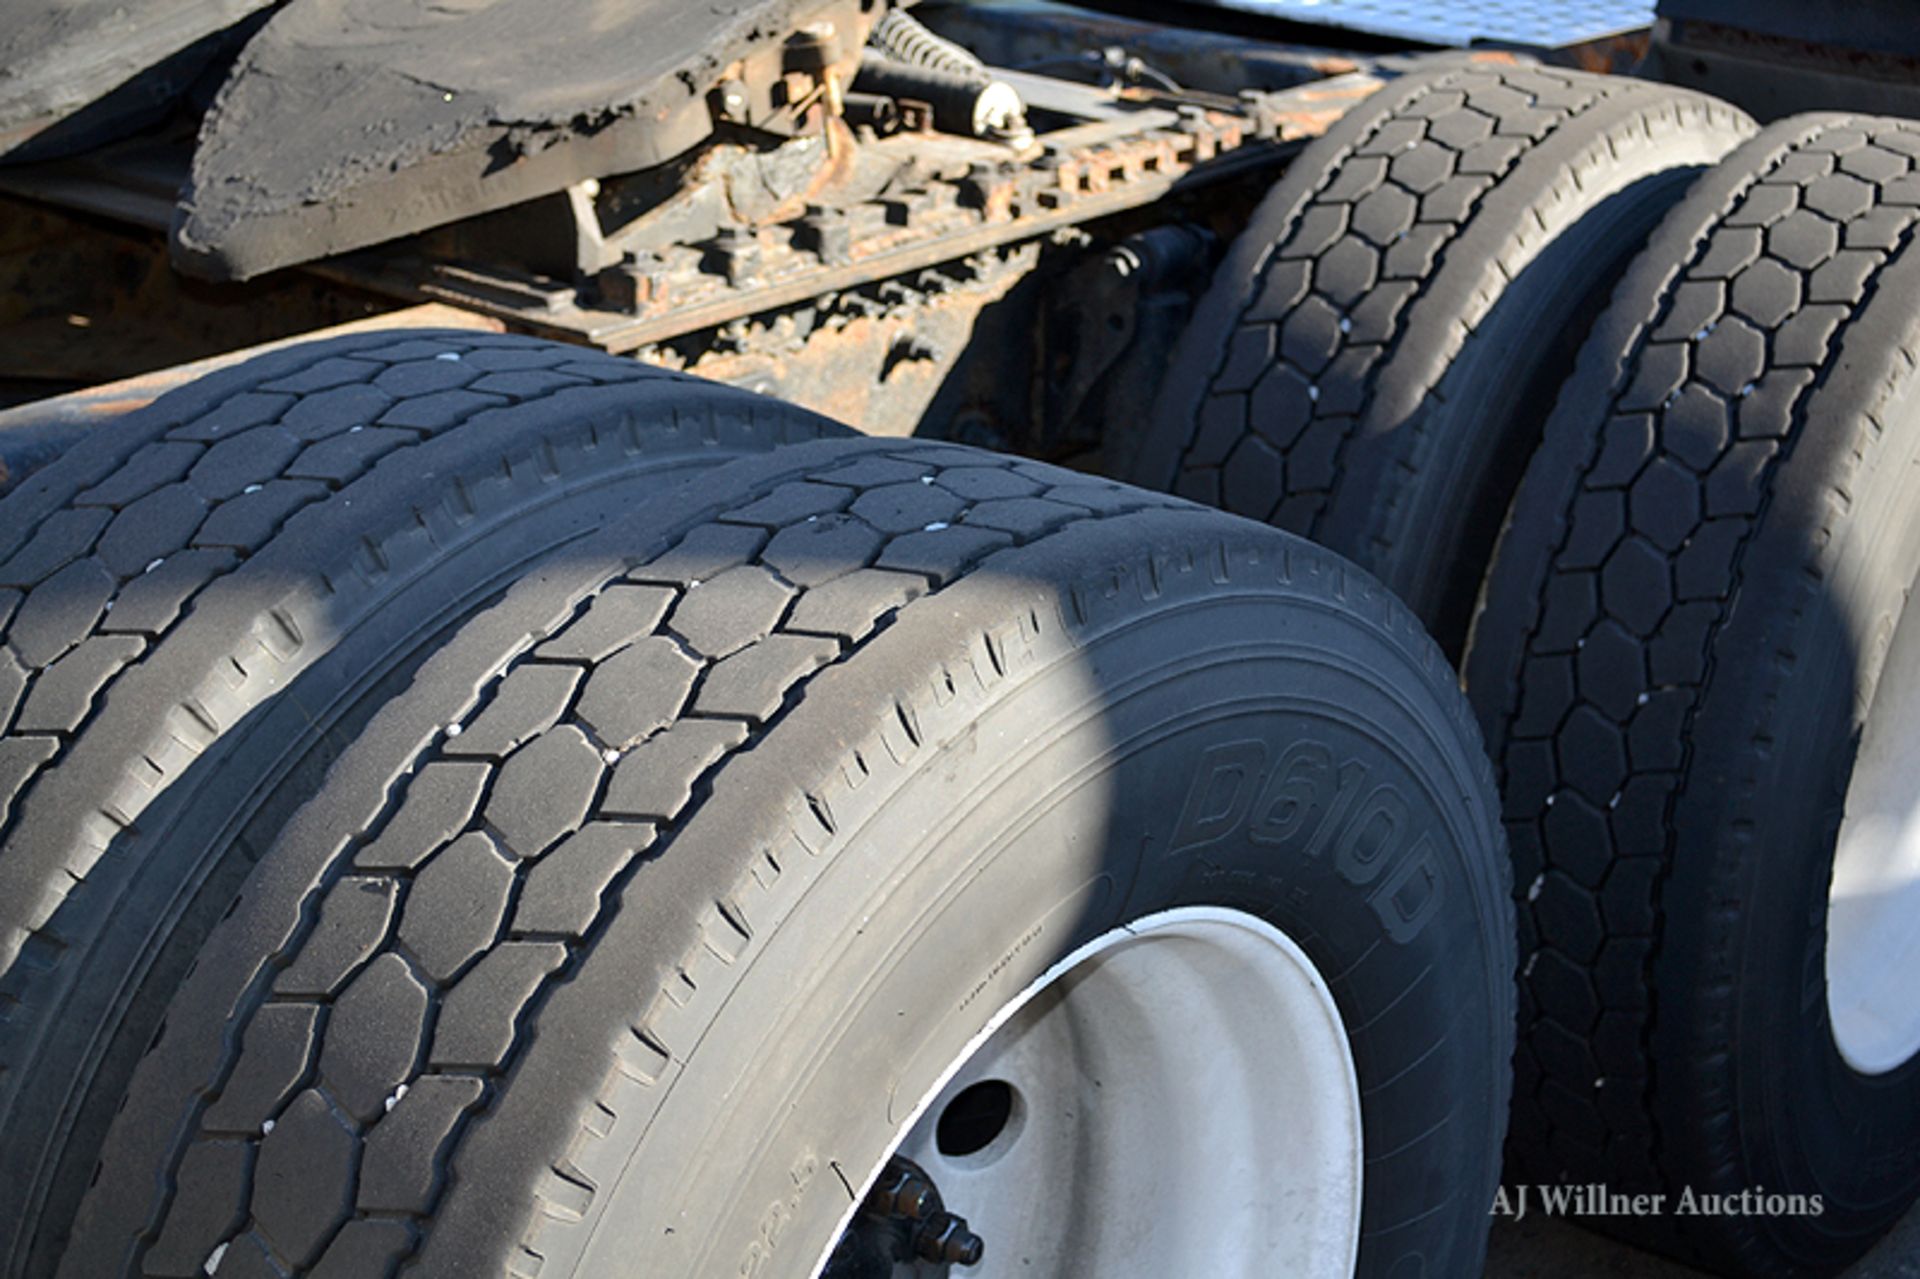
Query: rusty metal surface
[1611,55]
[878,271]
[862,263]
[1036,349]
[896,358]
[1773,75]
[745,227]
[1865,63]
[1866,26]
[717,250]
[914,201]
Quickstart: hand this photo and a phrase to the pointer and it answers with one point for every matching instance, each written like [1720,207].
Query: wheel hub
[1177,1097]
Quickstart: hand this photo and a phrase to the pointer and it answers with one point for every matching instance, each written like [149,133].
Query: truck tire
[194,611]
[1374,360]
[1697,669]
[862,742]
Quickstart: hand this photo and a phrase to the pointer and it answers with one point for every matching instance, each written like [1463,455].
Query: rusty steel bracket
[898,204]
[859,191]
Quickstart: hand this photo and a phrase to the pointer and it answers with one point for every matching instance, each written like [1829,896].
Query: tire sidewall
[170,877]
[1101,781]
[1793,681]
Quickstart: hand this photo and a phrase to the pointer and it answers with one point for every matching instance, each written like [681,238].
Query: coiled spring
[904,38]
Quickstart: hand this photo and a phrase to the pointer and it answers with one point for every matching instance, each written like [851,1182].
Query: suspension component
[905,60]
[906,39]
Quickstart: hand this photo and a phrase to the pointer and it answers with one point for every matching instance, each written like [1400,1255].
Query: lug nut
[907,1194]
[945,1238]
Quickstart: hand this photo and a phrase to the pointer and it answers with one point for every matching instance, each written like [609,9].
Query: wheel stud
[945,1237]
[903,1219]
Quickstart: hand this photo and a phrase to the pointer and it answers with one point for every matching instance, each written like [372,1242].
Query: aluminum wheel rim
[1873,945]
[1184,1101]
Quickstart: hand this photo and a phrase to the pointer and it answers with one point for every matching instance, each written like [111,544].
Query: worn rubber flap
[347,122]
[74,73]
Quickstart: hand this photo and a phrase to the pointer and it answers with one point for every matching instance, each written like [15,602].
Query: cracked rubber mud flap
[348,122]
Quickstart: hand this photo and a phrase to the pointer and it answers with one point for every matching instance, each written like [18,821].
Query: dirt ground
[1542,1248]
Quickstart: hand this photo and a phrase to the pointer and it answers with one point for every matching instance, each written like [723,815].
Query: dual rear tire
[1689,651]
[1695,669]
[647,898]
[201,607]
[1375,359]
[646,883]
